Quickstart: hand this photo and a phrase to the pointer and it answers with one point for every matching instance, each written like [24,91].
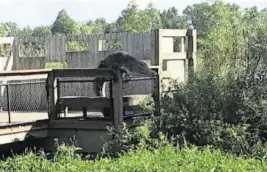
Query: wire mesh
[139,86]
[31,95]
[80,86]
[28,96]
[83,86]
[23,101]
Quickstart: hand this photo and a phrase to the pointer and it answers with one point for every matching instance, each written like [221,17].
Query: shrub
[139,135]
[225,112]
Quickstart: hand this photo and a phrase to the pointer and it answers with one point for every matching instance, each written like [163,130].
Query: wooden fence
[35,53]
[170,52]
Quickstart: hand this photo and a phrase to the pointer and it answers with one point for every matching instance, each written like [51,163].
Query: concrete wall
[89,135]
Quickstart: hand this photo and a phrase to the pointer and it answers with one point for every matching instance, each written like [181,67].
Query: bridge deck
[22,117]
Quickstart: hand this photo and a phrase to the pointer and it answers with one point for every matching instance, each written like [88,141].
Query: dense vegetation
[222,106]
[166,159]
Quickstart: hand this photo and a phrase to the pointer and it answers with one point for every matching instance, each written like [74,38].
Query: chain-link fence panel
[136,87]
[139,86]
[28,96]
[84,86]
[80,86]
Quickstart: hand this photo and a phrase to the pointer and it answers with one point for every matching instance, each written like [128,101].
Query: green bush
[139,135]
[226,113]
[56,65]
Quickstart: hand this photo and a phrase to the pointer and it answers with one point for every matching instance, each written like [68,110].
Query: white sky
[43,12]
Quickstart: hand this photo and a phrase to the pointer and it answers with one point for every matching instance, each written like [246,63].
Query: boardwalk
[22,117]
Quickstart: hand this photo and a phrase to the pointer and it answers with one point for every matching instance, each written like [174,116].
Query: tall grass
[166,158]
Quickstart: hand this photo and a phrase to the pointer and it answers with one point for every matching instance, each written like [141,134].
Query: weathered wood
[25,72]
[158,46]
[51,96]
[71,124]
[78,103]
[190,53]
[144,46]
[117,100]
[140,45]
[83,73]
[156,96]
[26,63]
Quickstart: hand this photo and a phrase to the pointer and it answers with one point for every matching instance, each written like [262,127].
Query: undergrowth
[165,158]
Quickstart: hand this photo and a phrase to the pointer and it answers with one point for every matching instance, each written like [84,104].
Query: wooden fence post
[117,99]
[156,95]
[51,96]
[191,51]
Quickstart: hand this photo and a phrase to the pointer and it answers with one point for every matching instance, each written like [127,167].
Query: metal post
[58,88]
[111,99]
[51,96]
[156,95]
[84,112]
[117,100]
[8,103]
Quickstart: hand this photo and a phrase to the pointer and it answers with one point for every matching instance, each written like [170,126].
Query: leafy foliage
[199,15]
[56,65]
[166,158]
[63,24]
[222,106]
[76,46]
[2,30]
[171,19]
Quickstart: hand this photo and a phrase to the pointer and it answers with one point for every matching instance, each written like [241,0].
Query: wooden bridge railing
[53,99]
[117,99]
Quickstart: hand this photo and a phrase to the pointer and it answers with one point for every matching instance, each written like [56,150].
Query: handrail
[24,72]
[81,72]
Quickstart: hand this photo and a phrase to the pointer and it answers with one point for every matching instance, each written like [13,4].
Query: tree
[112,27]
[223,42]
[200,15]
[154,16]
[3,31]
[132,19]
[86,29]
[171,20]
[42,31]
[26,31]
[11,28]
[64,24]
[99,26]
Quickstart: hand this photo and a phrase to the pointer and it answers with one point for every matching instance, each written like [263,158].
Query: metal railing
[24,94]
[80,87]
[23,97]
